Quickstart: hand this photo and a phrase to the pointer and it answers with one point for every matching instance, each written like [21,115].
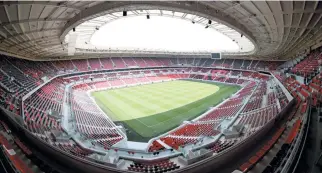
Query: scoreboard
[216,55]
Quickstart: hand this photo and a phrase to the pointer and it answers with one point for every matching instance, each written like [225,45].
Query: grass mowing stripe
[152,109]
[175,116]
[154,98]
[149,97]
[154,104]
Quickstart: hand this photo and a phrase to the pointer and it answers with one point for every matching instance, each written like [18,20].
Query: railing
[288,95]
[298,148]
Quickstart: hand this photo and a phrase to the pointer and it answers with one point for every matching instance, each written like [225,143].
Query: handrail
[305,137]
[295,150]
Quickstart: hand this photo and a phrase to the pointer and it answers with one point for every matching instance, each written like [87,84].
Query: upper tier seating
[15,74]
[246,64]
[140,62]
[65,65]
[29,74]
[81,65]
[151,62]
[253,64]
[94,64]
[129,62]
[118,63]
[8,83]
[35,70]
[308,66]
[232,80]
[107,63]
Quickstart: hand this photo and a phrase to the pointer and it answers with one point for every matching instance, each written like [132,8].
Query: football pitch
[149,110]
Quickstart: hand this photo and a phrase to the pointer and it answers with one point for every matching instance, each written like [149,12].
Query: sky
[160,33]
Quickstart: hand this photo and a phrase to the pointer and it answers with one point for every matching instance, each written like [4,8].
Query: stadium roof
[37,29]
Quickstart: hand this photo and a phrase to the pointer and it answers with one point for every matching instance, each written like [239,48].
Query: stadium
[160,86]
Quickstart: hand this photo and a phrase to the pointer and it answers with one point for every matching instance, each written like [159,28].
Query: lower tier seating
[159,166]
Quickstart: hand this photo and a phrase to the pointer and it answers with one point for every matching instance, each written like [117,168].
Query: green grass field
[150,110]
